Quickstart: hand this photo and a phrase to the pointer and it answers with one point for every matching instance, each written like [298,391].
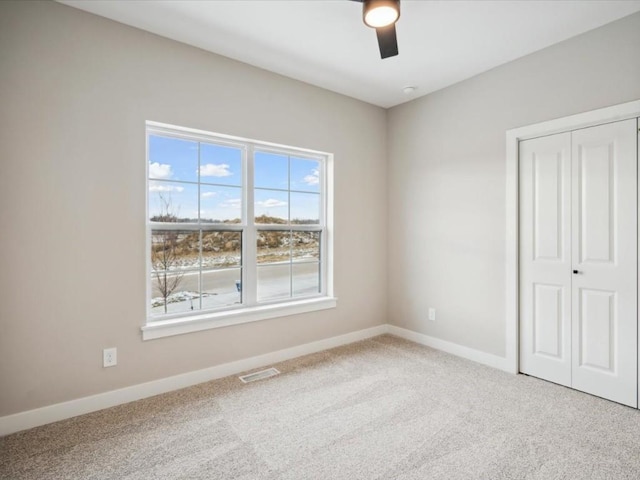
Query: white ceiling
[325,43]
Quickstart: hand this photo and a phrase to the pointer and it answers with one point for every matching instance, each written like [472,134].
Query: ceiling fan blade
[387,41]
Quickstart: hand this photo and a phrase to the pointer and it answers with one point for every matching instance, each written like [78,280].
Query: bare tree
[164,252]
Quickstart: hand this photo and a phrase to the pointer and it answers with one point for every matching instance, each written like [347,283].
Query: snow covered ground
[219,287]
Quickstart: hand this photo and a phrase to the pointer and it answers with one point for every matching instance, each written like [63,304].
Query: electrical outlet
[432,314]
[110,357]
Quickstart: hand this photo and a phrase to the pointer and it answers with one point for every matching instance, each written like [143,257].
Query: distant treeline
[187,243]
[262,219]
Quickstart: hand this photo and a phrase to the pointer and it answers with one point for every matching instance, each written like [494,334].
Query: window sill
[166,328]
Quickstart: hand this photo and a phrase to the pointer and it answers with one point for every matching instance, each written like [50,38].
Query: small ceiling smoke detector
[408,90]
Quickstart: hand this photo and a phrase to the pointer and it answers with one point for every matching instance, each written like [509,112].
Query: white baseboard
[60,411]
[488,359]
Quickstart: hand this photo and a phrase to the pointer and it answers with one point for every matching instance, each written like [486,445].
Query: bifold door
[578,260]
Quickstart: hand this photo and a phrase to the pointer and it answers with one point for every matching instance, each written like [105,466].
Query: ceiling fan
[383,15]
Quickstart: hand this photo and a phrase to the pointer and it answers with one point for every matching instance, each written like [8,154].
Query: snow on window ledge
[179,326]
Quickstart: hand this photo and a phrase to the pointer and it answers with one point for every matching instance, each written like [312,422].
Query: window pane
[305,208]
[221,288]
[271,206]
[221,249]
[305,175]
[174,292]
[305,246]
[271,170]
[306,279]
[274,246]
[174,250]
[220,204]
[173,202]
[274,281]
[197,184]
[220,165]
[173,159]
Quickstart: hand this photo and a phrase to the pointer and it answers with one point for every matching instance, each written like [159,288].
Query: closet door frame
[601,116]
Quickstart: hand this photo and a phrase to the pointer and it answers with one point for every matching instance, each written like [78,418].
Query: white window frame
[250,310]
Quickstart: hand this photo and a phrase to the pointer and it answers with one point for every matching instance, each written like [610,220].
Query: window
[233,227]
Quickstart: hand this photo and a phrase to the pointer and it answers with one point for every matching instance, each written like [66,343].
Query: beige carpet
[379,409]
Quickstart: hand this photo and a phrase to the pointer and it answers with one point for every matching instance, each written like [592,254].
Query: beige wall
[75,91]
[447,177]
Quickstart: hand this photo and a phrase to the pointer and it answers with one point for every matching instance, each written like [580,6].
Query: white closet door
[604,251]
[545,258]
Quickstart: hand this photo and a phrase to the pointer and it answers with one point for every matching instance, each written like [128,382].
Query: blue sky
[173,161]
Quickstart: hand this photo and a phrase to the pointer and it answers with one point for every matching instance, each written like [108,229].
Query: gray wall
[447,177]
[75,91]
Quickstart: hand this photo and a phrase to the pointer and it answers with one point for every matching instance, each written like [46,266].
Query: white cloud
[215,170]
[163,187]
[160,170]
[209,194]
[271,203]
[231,203]
[313,178]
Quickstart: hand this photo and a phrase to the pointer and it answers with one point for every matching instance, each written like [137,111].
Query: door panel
[547,320]
[604,226]
[597,329]
[545,258]
[595,210]
[547,206]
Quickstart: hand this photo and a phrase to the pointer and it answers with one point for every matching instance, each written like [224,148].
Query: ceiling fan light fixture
[380,13]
